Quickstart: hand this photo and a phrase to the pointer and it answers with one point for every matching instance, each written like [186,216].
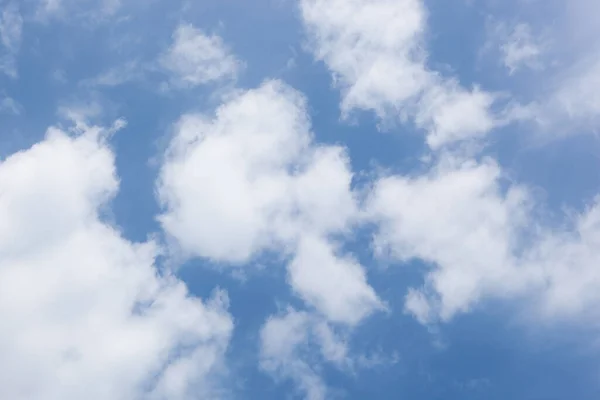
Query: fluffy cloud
[457,218]
[11,27]
[251,180]
[85,312]
[482,241]
[285,350]
[195,58]
[333,284]
[374,50]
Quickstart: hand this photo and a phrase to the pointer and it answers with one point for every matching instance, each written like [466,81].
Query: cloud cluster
[483,242]
[250,180]
[375,52]
[85,312]
[477,230]
[89,314]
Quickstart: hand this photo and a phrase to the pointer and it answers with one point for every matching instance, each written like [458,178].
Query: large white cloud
[375,51]
[85,313]
[483,241]
[251,180]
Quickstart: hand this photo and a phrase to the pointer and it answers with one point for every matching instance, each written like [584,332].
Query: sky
[299,199]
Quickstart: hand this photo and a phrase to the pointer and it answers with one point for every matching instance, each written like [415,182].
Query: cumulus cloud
[195,58]
[85,312]
[457,218]
[482,241]
[251,180]
[333,284]
[11,28]
[375,52]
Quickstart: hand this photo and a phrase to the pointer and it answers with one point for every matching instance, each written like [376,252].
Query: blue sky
[342,199]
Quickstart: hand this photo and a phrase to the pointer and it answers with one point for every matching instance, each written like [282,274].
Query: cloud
[457,218]
[195,58]
[575,102]
[251,180]
[85,312]
[482,241]
[11,28]
[561,97]
[521,49]
[285,350]
[333,284]
[374,50]
[517,46]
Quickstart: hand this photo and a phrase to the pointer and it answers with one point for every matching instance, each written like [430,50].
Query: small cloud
[517,46]
[522,49]
[195,58]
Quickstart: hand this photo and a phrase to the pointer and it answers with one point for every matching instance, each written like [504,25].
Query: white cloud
[374,50]
[251,180]
[483,241]
[457,218]
[335,285]
[85,314]
[195,58]
[11,27]
[561,97]
[517,46]
[521,49]
[285,352]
